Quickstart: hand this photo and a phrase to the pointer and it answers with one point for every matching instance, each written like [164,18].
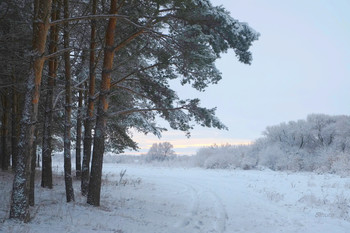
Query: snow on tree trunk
[90,109]
[100,130]
[68,112]
[46,175]
[19,199]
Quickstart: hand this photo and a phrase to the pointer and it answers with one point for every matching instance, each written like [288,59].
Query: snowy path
[191,200]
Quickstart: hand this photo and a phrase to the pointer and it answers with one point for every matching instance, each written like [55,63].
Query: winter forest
[79,77]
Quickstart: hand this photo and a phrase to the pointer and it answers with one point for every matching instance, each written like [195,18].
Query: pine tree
[46,175]
[93,197]
[68,111]
[164,40]
[19,201]
[90,107]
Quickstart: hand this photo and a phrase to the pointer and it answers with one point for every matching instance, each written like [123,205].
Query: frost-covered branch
[57,53]
[76,86]
[129,111]
[86,17]
[128,40]
[135,72]
[134,92]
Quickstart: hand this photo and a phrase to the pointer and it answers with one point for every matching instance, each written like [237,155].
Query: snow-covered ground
[189,200]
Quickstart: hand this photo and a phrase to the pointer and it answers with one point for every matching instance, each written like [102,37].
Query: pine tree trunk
[32,174]
[14,115]
[19,199]
[80,119]
[46,175]
[4,132]
[78,138]
[99,146]
[0,150]
[38,161]
[68,112]
[90,109]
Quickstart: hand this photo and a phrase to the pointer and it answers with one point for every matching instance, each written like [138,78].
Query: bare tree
[160,151]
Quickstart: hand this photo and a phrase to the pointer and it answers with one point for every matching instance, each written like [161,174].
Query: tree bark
[90,108]
[80,119]
[32,174]
[99,146]
[46,175]
[5,131]
[79,132]
[68,111]
[15,123]
[38,161]
[19,199]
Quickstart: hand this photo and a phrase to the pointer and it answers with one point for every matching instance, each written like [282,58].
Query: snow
[190,200]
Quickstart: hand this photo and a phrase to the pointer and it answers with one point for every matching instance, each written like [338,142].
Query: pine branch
[134,92]
[86,17]
[135,72]
[128,40]
[57,53]
[63,91]
[130,111]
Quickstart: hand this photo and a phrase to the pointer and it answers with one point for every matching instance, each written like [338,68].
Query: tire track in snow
[221,212]
[200,200]
[205,212]
[189,217]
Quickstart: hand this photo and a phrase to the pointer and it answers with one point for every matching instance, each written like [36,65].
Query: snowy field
[152,199]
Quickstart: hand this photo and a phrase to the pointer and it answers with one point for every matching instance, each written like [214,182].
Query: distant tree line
[320,143]
[84,73]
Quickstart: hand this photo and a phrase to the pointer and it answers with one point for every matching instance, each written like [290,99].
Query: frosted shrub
[222,161]
[202,155]
[292,162]
[224,156]
[272,157]
[249,161]
[308,162]
[340,164]
[328,160]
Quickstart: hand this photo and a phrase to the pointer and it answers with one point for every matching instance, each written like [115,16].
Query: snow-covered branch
[129,111]
[57,53]
[86,17]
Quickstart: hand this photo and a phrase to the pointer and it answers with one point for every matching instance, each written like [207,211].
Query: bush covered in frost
[224,156]
[320,143]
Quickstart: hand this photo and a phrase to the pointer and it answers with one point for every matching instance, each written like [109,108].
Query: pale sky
[301,65]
